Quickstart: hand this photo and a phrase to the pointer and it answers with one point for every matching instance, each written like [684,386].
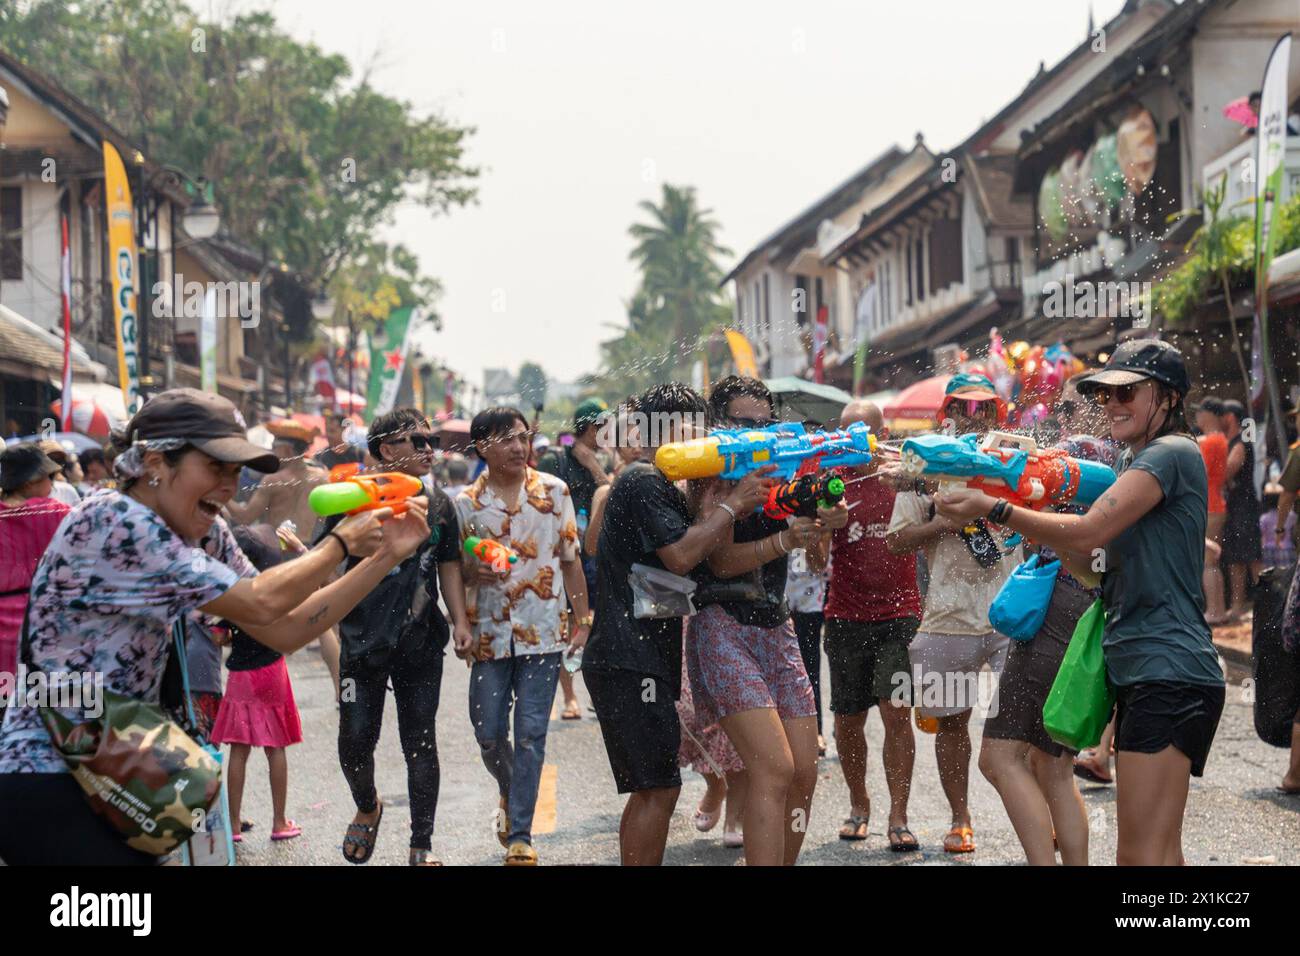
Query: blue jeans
[528,682]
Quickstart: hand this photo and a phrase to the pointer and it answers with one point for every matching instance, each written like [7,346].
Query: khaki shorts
[947,673]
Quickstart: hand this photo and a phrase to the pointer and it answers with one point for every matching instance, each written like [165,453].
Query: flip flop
[572,713]
[424,858]
[1288,793]
[292,831]
[903,846]
[854,828]
[733,840]
[967,837]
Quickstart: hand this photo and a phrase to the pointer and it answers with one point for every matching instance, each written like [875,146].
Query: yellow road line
[544,815]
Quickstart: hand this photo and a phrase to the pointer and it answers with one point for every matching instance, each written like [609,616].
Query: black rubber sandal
[364,837]
[902,846]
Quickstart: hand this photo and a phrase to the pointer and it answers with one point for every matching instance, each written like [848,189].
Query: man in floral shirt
[515,614]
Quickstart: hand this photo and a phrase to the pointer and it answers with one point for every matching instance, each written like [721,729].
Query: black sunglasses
[1124,394]
[419,442]
[753,422]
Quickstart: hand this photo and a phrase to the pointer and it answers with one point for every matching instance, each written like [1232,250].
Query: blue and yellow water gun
[732,454]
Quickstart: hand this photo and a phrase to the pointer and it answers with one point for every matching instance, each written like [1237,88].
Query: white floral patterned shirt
[521,616]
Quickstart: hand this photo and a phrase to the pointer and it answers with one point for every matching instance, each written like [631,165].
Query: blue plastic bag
[1020,607]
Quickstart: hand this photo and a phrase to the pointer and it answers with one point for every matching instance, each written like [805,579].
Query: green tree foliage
[307,160]
[678,302]
[1222,246]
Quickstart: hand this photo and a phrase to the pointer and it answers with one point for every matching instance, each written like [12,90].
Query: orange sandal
[967,837]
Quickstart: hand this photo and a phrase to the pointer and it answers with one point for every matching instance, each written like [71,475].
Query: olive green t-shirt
[1155,624]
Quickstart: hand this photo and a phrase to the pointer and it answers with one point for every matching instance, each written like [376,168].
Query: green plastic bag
[1079,705]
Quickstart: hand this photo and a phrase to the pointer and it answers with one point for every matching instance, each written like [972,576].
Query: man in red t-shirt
[872,611]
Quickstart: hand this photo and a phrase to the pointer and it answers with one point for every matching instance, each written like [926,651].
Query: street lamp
[202,218]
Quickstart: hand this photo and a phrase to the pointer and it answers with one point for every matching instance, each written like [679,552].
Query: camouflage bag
[139,770]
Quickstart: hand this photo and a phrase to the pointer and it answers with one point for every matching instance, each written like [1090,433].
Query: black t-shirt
[644,512]
[379,620]
[582,486]
[247,653]
[772,611]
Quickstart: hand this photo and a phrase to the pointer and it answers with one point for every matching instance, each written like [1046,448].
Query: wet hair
[493,422]
[390,427]
[1234,408]
[670,398]
[1175,422]
[735,386]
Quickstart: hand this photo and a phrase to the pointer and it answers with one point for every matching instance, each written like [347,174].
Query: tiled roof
[24,344]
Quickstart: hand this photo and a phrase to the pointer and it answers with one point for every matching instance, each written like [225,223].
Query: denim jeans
[528,682]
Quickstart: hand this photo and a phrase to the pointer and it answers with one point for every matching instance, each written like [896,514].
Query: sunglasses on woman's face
[1122,393]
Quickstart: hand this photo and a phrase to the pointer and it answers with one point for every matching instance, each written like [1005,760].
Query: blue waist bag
[1020,607]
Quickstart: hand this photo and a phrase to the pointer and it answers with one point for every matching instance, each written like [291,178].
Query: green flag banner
[388,360]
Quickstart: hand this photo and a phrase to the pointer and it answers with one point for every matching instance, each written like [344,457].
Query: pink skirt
[258,709]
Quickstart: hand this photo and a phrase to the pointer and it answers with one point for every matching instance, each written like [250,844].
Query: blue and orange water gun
[1007,466]
[732,454]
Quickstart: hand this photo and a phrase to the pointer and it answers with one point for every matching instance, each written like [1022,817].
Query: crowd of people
[185,526]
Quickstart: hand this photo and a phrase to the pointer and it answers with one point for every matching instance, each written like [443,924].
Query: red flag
[819,344]
[65,281]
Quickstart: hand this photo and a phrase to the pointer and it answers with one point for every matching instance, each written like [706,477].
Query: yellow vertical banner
[742,353]
[122,259]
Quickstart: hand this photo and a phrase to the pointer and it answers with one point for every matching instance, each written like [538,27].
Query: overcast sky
[585,108]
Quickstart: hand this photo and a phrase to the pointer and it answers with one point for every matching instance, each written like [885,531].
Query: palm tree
[677,252]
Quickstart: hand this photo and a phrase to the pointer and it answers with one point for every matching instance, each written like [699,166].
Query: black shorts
[1030,670]
[638,719]
[1150,717]
[865,658]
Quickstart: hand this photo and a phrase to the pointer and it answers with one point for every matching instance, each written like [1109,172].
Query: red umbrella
[88,417]
[921,400]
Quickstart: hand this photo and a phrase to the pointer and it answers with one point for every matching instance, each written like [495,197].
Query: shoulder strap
[179,637]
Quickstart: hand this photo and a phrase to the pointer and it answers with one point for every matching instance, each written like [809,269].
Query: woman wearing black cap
[125,565]
[1149,528]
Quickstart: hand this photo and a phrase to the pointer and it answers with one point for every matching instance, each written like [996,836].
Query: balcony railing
[999,274]
[1239,164]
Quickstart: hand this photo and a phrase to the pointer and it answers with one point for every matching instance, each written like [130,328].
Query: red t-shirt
[867,582]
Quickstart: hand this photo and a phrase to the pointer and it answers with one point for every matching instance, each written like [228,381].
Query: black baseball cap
[1211,404]
[209,422]
[1137,360]
[20,464]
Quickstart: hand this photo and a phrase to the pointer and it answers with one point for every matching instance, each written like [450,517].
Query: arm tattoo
[318,615]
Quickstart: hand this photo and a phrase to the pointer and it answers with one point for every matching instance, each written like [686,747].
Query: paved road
[1234,814]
